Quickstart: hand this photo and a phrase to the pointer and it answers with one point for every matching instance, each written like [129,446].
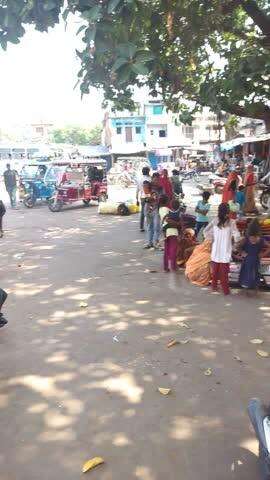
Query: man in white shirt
[140,196]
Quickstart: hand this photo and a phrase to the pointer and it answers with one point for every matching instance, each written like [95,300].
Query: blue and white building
[152,130]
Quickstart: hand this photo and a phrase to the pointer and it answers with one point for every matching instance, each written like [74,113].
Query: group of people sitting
[209,261]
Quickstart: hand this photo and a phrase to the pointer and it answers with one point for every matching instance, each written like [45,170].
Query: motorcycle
[189,175]
[259,416]
[265,197]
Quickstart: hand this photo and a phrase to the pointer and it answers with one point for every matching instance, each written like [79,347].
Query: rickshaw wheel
[86,202]
[55,206]
[29,202]
[102,198]
[264,199]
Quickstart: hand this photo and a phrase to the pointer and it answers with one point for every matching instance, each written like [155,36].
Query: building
[250,126]
[40,132]
[152,129]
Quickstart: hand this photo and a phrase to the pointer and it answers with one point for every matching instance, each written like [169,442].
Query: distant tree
[231,125]
[76,135]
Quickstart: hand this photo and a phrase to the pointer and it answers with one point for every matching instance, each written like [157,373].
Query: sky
[37,79]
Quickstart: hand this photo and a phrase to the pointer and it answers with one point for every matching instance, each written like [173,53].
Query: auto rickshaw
[83,180]
[32,184]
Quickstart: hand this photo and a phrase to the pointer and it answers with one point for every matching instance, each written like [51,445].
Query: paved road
[79,382]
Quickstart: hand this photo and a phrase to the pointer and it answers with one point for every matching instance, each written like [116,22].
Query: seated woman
[198,267]
[186,244]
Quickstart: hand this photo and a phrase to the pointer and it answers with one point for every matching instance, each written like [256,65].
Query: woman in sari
[166,184]
[198,269]
[249,183]
[186,244]
[228,193]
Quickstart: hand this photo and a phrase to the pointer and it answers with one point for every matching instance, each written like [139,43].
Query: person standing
[3,297]
[223,230]
[251,249]
[171,229]
[249,183]
[166,184]
[10,179]
[202,210]
[176,184]
[228,193]
[2,213]
[140,195]
[152,220]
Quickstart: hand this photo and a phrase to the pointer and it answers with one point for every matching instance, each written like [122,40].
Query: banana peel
[164,391]
[90,464]
[263,353]
[172,343]
[83,305]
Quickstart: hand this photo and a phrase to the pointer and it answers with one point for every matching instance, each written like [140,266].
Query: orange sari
[250,205]
[198,265]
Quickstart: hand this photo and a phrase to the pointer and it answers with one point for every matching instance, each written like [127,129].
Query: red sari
[229,194]
[166,185]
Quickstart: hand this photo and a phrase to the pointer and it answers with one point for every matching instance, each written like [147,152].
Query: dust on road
[83,382]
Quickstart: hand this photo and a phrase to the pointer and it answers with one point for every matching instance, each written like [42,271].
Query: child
[240,198]
[173,214]
[202,210]
[251,248]
[176,183]
[152,220]
[3,297]
[167,218]
[233,205]
[223,230]
[2,213]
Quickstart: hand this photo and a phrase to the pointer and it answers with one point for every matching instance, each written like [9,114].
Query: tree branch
[259,17]
[255,110]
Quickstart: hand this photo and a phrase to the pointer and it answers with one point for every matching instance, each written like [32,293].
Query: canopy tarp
[231,144]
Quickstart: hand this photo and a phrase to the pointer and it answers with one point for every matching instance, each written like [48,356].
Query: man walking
[10,179]
[140,193]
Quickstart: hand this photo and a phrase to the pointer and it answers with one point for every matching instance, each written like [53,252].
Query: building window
[151,132]
[188,131]
[119,130]
[138,130]
[162,133]
[157,109]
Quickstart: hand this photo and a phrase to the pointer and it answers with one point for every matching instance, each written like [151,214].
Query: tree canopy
[77,135]
[212,53]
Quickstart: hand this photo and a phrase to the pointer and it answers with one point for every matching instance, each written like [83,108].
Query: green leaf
[127,50]
[82,27]
[124,74]
[140,69]
[49,5]
[144,57]
[112,5]
[65,14]
[3,42]
[90,34]
[93,14]
[118,64]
